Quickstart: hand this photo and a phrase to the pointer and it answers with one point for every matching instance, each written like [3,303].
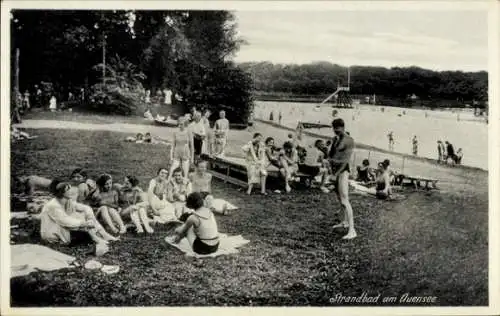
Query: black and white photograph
[228,155]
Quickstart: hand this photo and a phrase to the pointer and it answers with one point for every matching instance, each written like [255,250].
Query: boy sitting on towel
[200,228]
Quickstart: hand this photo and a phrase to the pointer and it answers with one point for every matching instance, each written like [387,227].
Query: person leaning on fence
[255,159]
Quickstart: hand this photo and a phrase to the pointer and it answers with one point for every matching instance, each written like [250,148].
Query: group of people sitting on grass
[101,208]
[383,177]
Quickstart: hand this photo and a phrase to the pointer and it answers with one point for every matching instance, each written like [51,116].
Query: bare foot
[139,230]
[149,229]
[341,225]
[350,235]
[288,188]
[123,230]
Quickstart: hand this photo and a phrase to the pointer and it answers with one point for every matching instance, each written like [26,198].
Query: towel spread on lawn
[364,190]
[26,258]
[228,245]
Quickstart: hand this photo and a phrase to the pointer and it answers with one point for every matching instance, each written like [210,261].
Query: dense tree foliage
[397,83]
[188,52]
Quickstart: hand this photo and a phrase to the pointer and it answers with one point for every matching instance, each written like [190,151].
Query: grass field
[430,244]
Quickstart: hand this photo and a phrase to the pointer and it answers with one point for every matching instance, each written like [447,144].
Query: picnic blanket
[26,258]
[228,245]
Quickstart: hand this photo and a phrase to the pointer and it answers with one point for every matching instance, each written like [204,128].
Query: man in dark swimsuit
[340,156]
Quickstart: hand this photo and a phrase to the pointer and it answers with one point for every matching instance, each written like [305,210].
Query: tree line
[188,52]
[398,83]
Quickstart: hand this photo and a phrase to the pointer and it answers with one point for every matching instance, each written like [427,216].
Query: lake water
[370,125]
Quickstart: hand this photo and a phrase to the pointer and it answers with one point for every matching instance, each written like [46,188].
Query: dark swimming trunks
[202,248]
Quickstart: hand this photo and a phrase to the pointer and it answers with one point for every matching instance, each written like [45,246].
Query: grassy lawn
[430,244]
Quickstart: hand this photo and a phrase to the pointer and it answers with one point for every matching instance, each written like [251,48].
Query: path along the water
[454,178]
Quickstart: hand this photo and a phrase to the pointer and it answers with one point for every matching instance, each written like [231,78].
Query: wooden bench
[229,165]
[417,182]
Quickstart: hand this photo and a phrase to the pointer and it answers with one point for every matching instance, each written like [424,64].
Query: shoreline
[378,149]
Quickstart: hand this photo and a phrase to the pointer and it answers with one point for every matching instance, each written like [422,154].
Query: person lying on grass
[201,181]
[178,188]
[289,162]
[60,217]
[82,187]
[106,202]
[315,165]
[256,163]
[159,206]
[16,134]
[138,139]
[200,228]
[383,181]
[134,205]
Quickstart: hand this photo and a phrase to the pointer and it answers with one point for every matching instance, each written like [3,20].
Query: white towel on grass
[227,245]
[220,205]
[26,258]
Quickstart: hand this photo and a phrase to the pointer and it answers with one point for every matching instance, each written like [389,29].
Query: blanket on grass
[26,258]
[228,245]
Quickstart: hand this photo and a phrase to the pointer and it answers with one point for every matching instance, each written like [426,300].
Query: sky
[438,40]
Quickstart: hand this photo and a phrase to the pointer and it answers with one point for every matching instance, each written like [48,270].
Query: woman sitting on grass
[157,197]
[106,202]
[132,201]
[364,172]
[178,189]
[201,181]
[81,186]
[383,181]
[200,228]
[256,166]
[289,161]
[60,218]
[181,152]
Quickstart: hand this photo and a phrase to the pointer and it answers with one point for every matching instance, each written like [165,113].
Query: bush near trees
[188,52]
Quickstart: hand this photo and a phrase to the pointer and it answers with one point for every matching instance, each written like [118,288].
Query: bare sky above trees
[439,40]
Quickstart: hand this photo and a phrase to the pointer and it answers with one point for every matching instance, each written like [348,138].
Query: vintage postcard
[339,156]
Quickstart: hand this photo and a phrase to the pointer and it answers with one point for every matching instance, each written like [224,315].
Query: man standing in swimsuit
[340,156]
